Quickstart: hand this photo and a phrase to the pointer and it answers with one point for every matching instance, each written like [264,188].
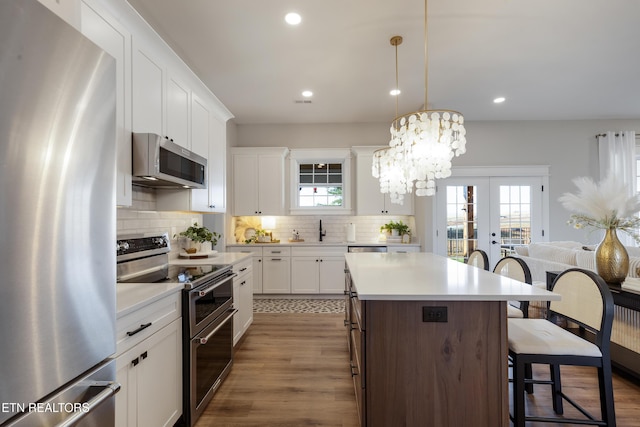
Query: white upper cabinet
[200,128]
[148,92]
[178,103]
[259,181]
[69,10]
[217,162]
[101,28]
[369,199]
[156,93]
[208,139]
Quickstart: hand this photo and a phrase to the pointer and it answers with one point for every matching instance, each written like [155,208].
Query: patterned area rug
[298,305]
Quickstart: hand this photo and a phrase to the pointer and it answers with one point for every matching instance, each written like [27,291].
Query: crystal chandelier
[422,145]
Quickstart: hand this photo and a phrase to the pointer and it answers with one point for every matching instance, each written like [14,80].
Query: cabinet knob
[212,206]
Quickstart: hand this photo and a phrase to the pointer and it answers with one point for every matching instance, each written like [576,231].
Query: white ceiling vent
[302,101]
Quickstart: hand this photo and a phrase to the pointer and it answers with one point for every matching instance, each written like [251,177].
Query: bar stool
[478,258]
[587,302]
[517,269]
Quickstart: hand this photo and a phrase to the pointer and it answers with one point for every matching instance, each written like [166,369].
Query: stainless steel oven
[207,313]
[208,340]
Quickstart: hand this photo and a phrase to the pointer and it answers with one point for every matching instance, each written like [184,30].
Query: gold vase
[612,259]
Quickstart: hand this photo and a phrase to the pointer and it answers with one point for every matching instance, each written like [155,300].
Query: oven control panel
[140,245]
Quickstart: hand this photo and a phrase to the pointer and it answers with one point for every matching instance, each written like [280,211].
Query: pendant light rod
[396,41]
[426,59]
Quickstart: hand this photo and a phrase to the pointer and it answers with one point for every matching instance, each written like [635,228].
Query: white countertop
[219,258]
[316,243]
[423,276]
[132,296]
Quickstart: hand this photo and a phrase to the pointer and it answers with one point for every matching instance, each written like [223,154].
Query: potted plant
[395,229]
[199,235]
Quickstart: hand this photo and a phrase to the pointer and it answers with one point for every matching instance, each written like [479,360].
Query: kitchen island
[428,339]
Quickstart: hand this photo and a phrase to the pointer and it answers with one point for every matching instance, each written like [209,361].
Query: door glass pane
[462,221]
[515,217]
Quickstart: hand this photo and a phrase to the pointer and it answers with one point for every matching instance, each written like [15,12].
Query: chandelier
[422,144]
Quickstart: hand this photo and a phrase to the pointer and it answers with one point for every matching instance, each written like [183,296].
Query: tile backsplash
[142,216]
[367,227]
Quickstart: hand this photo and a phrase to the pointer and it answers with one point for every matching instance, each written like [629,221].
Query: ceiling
[551,59]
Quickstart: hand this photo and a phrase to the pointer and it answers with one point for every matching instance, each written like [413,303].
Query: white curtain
[617,154]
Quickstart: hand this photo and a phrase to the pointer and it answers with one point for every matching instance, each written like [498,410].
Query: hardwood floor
[292,370]
[581,384]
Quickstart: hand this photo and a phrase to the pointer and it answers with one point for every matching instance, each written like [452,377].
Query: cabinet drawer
[280,251]
[134,327]
[243,267]
[246,249]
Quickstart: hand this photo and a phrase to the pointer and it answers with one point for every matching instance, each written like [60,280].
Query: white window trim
[327,155]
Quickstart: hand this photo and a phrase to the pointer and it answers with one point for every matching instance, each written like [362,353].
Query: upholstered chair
[478,258]
[586,302]
[517,269]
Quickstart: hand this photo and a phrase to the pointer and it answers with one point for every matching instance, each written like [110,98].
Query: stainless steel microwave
[158,162]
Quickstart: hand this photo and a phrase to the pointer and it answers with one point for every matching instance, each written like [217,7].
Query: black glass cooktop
[192,273]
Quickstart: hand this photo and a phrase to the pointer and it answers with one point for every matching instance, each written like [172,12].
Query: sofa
[561,255]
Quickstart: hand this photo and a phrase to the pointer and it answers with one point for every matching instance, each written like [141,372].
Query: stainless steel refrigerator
[57,222]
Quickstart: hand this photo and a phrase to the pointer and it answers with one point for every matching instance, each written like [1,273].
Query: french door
[494,214]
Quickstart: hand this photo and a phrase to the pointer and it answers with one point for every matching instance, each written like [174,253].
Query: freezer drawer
[87,402]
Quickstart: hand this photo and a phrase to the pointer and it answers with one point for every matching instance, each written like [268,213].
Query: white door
[494,214]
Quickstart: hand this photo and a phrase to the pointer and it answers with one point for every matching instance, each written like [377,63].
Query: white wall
[568,147]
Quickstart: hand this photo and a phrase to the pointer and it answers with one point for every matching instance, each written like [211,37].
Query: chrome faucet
[322,232]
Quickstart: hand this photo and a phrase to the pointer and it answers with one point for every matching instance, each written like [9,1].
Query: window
[320,181]
[320,185]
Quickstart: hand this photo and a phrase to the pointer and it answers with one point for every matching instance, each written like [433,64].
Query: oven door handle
[212,287]
[126,277]
[204,340]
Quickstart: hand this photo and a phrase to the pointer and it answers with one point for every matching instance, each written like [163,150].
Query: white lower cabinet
[332,275]
[276,270]
[242,297]
[149,365]
[305,275]
[317,269]
[257,274]
[256,253]
[308,269]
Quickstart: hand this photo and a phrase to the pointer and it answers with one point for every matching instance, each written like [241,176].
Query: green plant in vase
[199,235]
[394,228]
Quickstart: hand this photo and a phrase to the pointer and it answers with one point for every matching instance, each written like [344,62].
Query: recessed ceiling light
[307,94]
[499,100]
[293,18]
[395,92]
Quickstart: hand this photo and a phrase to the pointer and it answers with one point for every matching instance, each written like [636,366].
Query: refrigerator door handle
[110,389]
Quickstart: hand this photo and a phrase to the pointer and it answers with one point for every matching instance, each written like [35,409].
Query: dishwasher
[358,249]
